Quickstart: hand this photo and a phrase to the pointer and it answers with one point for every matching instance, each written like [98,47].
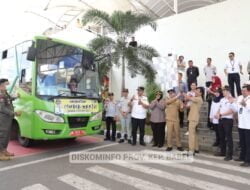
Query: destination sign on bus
[75,106]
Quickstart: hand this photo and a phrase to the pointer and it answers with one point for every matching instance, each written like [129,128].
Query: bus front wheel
[25,142]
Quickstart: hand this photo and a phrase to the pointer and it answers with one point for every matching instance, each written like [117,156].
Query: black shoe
[196,151]
[133,144]
[154,145]
[143,143]
[228,158]
[125,136]
[160,146]
[169,149]
[245,164]
[219,154]
[106,139]
[129,141]
[113,139]
[180,149]
[239,160]
[216,144]
[121,141]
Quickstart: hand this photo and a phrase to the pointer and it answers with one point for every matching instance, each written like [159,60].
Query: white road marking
[35,187]
[212,173]
[80,183]
[51,158]
[223,166]
[126,179]
[195,183]
[212,163]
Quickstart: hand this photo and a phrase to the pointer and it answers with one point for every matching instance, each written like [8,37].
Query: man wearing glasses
[232,70]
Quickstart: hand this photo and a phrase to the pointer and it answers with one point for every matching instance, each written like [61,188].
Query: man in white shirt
[209,71]
[139,105]
[232,70]
[225,115]
[243,110]
[125,112]
[181,65]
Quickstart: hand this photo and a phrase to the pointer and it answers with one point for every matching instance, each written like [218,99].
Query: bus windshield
[65,71]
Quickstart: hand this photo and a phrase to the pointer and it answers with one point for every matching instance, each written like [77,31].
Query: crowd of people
[186,97]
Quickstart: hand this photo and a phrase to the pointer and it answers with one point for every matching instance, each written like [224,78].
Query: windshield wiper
[59,95]
[78,92]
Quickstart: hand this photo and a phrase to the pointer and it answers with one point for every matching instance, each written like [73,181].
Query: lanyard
[232,64]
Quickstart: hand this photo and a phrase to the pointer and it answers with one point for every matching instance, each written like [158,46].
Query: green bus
[58,89]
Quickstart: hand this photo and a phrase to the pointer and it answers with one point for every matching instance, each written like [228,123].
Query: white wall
[212,31]
[130,83]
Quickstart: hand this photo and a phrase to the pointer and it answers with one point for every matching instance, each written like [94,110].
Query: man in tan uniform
[174,105]
[193,118]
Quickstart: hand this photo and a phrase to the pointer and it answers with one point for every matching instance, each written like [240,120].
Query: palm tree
[123,25]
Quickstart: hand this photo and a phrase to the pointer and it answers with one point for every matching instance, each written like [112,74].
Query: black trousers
[138,123]
[158,133]
[244,135]
[226,139]
[110,121]
[217,134]
[234,78]
[181,118]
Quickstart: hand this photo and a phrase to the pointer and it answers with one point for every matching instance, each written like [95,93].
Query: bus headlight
[97,116]
[49,117]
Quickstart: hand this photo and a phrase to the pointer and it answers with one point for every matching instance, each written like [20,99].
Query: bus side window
[25,67]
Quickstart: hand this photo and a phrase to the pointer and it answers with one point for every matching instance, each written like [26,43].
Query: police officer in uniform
[6,117]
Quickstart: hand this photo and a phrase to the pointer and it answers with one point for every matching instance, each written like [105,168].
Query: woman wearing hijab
[157,119]
[216,84]
[214,109]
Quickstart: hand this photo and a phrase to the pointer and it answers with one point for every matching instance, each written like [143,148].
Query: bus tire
[72,139]
[25,142]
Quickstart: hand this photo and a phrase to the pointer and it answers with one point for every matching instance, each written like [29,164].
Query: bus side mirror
[31,55]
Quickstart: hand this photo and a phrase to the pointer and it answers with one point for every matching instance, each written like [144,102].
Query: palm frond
[127,23]
[97,17]
[133,65]
[147,52]
[141,20]
[101,44]
[105,66]
[147,70]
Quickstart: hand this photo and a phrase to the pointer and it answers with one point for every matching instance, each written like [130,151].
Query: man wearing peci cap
[193,119]
[125,112]
[6,117]
[174,105]
[139,105]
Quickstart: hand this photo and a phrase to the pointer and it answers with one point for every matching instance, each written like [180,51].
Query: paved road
[52,171]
